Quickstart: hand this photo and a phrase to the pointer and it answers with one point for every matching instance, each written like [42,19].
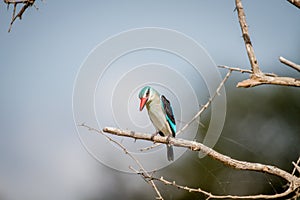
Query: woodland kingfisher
[160,113]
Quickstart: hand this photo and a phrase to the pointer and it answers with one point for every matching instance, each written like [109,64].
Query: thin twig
[297,163]
[210,195]
[236,69]
[203,108]
[296,167]
[129,154]
[243,70]
[16,1]
[13,17]
[289,63]
[150,147]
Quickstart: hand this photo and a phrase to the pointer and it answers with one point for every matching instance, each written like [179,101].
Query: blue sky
[41,56]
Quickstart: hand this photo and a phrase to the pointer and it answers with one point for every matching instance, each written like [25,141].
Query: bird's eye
[147,93]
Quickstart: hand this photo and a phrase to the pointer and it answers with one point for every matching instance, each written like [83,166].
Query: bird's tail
[170,152]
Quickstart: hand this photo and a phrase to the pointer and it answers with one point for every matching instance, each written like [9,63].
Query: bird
[160,113]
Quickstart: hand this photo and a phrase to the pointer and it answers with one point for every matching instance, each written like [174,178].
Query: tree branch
[267,78]
[257,77]
[289,63]
[203,108]
[295,3]
[296,164]
[284,81]
[243,70]
[244,27]
[26,4]
[141,168]
[210,195]
[294,182]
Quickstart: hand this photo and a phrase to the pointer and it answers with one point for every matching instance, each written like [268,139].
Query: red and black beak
[143,102]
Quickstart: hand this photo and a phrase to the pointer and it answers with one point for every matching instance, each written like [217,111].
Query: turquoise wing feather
[169,114]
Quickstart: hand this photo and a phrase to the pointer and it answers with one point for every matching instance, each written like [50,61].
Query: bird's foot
[168,139]
[154,134]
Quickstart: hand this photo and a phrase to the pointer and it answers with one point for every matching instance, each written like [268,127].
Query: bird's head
[145,95]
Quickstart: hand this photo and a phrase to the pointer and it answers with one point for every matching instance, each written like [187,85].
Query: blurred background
[41,156]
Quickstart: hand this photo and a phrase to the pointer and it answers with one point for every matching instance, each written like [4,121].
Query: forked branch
[139,164]
[257,77]
[15,3]
[294,181]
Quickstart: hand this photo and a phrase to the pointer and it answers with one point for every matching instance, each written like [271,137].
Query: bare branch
[296,167]
[13,17]
[26,4]
[16,1]
[243,70]
[265,79]
[150,147]
[297,163]
[236,69]
[203,108]
[246,37]
[257,77]
[210,195]
[295,3]
[289,63]
[130,155]
[294,181]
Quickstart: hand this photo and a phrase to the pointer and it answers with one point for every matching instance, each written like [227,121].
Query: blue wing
[169,114]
